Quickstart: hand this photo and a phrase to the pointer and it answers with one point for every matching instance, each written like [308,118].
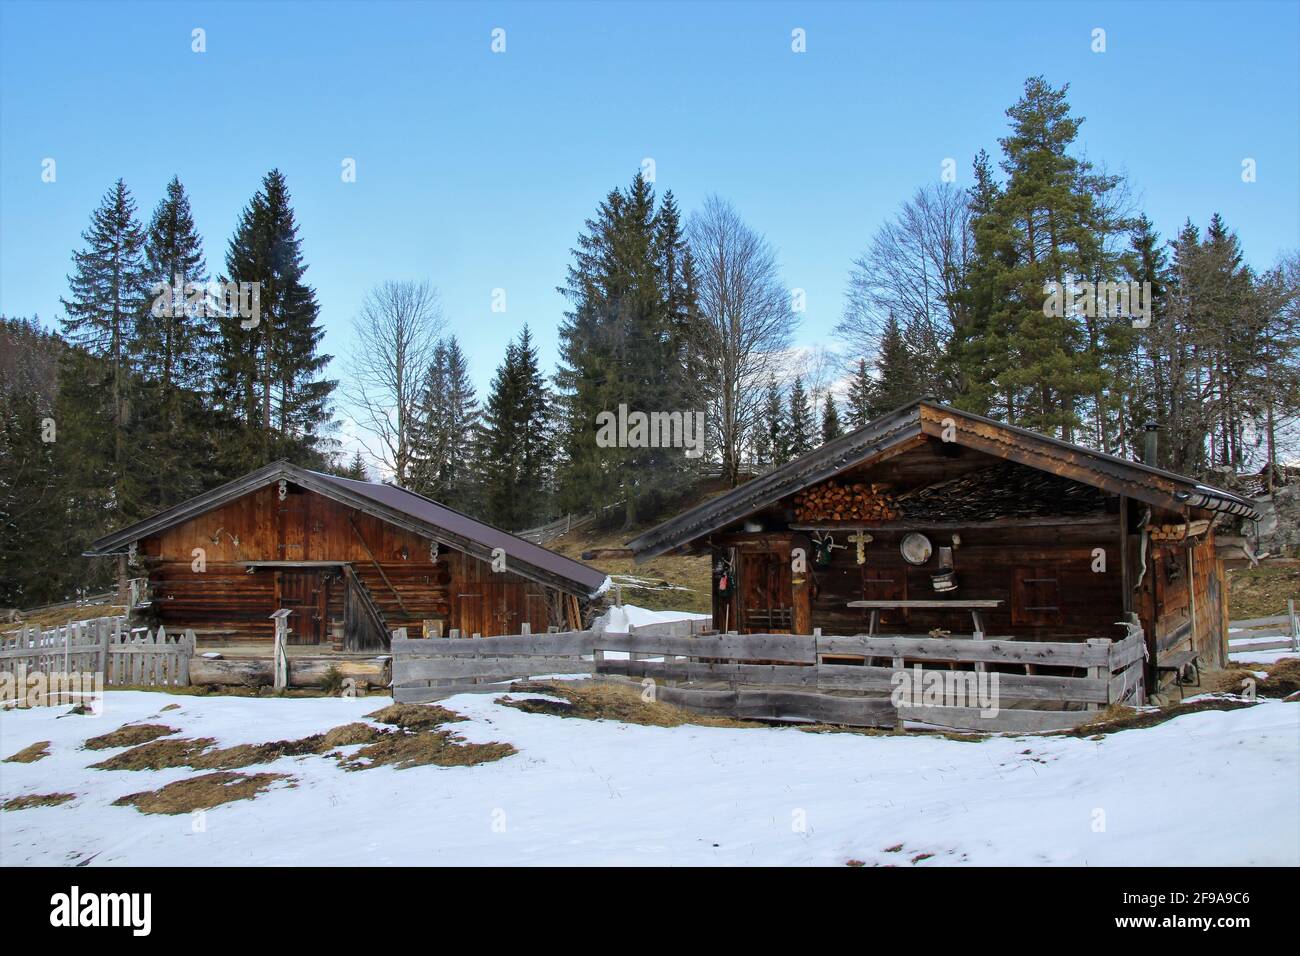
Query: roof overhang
[580,579]
[924,420]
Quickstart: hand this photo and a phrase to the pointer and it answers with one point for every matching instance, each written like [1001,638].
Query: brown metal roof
[388,503]
[448,519]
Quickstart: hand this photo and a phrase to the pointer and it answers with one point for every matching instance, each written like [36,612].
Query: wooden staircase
[405,595]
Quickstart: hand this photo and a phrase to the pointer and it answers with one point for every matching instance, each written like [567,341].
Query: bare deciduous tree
[749,322]
[395,334]
[913,267]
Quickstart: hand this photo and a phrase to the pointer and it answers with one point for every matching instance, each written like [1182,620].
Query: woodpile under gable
[836,501]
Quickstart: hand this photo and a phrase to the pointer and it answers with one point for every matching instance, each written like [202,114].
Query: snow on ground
[617,619]
[1209,788]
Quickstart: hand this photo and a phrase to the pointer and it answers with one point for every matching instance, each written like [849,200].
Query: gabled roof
[389,503]
[927,417]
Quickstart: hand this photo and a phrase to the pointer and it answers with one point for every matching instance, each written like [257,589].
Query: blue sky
[476,170]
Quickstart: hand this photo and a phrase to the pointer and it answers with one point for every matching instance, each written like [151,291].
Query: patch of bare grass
[38,800]
[414,716]
[129,735]
[201,793]
[157,755]
[405,749]
[349,735]
[30,754]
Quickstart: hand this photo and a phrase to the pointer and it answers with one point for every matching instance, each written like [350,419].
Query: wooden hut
[351,561]
[931,520]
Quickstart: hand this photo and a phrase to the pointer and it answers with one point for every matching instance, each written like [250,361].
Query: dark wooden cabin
[352,560]
[1066,540]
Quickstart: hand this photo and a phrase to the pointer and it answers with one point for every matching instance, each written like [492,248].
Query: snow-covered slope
[1207,788]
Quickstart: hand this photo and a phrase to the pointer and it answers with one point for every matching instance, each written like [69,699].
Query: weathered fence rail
[427,669]
[1278,633]
[122,657]
[846,680]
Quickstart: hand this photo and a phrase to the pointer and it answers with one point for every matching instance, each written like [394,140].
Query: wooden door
[766,598]
[302,592]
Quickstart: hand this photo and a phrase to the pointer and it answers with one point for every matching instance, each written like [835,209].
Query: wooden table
[974,606]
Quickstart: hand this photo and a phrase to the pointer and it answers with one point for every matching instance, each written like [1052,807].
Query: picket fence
[122,656]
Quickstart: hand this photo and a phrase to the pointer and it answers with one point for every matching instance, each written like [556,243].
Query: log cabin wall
[1043,575]
[232,602]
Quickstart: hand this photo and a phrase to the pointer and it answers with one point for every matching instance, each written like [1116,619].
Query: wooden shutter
[1036,595]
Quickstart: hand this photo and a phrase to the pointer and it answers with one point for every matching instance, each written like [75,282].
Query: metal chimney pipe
[1150,445]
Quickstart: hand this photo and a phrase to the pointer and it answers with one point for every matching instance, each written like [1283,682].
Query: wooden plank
[1127,651]
[1060,653]
[1006,721]
[1009,686]
[956,605]
[920,525]
[1125,683]
[1281,619]
[563,643]
[425,695]
[1251,635]
[783,705]
[686,628]
[791,675]
[790,648]
[1261,646]
[408,672]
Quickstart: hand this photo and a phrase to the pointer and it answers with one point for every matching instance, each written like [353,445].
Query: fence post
[105,642]
[280,657]
[1100,671]
[1295,632]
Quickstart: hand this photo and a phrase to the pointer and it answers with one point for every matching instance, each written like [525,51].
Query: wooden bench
[1177,663]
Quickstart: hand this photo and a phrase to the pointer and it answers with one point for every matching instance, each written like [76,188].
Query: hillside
[666,583]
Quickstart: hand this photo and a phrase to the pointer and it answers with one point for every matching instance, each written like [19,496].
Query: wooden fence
[1278,633]
[846,680]
[107,647]
[426,669]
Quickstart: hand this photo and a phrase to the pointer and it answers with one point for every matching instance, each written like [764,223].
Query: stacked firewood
[834,501]
[1179,532]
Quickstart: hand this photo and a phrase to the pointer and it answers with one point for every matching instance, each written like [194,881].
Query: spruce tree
[801,423]
[106,298]
[771,444]
[897,382]
[1051,223]
[862,400]
[831,428]
[515,442]
[356,469]
[269,369]
[627,340]
[172,346]
[446,430]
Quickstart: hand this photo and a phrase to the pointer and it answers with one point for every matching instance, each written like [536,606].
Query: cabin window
[1036,595]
